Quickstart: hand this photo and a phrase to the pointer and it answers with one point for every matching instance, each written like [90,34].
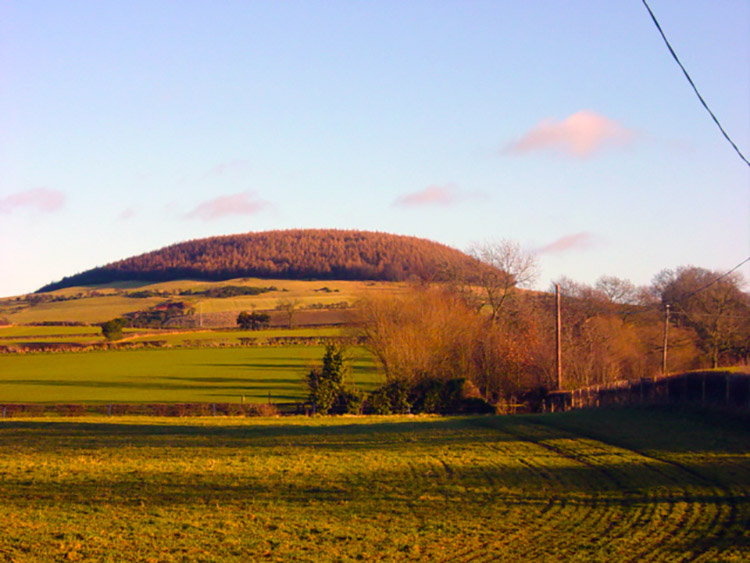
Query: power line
[721,277]
[660,306]
[690,80]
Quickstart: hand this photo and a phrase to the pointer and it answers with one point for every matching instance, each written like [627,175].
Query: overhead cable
[690,80]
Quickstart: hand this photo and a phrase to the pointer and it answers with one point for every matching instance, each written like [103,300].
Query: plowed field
[624,485]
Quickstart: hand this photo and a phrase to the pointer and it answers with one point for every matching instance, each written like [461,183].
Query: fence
[705,388]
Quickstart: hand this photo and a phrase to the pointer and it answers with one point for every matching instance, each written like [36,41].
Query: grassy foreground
[208,375]
[643,485]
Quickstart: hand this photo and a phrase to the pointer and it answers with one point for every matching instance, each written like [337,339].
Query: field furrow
[468,489]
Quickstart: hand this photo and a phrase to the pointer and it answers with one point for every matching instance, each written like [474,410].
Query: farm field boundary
[31,410]
[184,341]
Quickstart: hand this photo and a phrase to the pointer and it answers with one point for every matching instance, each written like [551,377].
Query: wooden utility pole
[666,341]
[558,339]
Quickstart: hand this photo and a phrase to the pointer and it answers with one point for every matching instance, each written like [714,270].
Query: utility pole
[666,340]
[558,340]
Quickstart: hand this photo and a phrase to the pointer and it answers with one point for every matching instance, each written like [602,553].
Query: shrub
[326,384]
[112,330]
[350,401]
[398,392]
[430,396]
[323,391]
[391,398]
[378,402]
[253,321]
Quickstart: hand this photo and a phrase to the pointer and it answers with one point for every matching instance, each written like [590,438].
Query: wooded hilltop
[325,254]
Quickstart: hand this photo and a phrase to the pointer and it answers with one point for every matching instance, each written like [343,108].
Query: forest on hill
[324,254]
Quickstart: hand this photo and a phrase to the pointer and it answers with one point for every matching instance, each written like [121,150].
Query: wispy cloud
[245,203]
[581,135]
[575,241]
[437,195]
[41,199]
[237,165]
[126,214]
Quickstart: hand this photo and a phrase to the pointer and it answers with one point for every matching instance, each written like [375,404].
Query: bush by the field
[428,396]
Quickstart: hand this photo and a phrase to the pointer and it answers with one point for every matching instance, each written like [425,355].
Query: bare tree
[290,307]
[711,303]
[617,290]
[510,266]
[430,332]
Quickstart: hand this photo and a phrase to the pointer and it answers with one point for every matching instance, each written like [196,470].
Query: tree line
[502,339]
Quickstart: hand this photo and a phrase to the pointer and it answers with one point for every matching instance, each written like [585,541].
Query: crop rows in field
[573,487]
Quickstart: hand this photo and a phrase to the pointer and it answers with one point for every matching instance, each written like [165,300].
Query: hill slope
[289,254]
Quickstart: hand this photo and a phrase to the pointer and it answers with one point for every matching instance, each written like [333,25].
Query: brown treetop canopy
[288,254]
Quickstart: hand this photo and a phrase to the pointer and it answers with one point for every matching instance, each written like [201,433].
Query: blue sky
[564,125]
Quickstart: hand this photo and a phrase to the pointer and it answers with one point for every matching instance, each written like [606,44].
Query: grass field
[46,331]
[111,302]
[211,375]
[175,337]
[643,485]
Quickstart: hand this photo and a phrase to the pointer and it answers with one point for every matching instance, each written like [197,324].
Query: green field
[210,375]
[643,485]
[174,337]
[47,331]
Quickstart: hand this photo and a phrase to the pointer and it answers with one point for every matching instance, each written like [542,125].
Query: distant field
[211,375]
[602,486]
[112,302]
[234,336]
[174,337]
[42,331]
[87,310]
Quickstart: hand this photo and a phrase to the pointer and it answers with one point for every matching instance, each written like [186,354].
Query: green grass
[644,485]
[173,337]
[43,331]
[213,375]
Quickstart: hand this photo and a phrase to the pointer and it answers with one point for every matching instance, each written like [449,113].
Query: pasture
[97,304]
[173,337]
[172,375]
[640,485]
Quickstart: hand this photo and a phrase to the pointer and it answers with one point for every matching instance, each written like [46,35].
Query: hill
[323,254]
